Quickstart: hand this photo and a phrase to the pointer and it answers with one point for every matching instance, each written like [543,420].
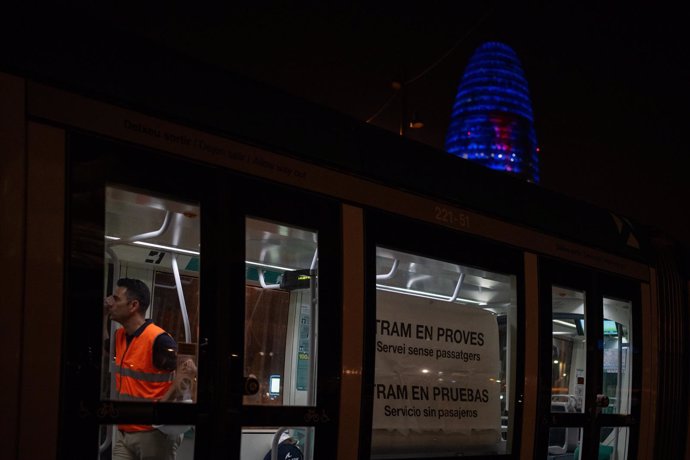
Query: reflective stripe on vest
[148,377]
[133,398]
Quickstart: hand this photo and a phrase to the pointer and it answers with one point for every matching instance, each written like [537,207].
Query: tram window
[152,257]
[564,443]
[280,301]
[613,441]
[617,370]
[569,348]
[445,358]
[178,439]
[293,442]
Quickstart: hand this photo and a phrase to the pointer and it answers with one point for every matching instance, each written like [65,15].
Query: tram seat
[562,440]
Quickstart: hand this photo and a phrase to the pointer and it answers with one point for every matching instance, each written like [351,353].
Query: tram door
[290,334]
[445,343]
[589,365]
[242,279]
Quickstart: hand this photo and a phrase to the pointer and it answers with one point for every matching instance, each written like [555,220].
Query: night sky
[610,82]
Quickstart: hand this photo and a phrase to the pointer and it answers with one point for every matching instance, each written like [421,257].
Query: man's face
[119,308]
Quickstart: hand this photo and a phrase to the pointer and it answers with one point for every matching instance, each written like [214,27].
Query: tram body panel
[12,233]
[44,281]
[274,248]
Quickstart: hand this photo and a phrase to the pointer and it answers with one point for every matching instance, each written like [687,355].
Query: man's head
[131,297]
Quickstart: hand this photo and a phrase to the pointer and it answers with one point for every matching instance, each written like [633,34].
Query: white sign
[437,367]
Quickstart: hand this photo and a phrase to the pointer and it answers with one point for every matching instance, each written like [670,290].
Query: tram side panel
[12,228]
[43,288]
[38,408]
[12,255]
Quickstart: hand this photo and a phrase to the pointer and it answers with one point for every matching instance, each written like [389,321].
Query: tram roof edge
[96,60]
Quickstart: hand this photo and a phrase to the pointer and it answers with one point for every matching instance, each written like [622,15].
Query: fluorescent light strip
[196,253]
[157,246]
[564,323]
[428,295]
[167,248]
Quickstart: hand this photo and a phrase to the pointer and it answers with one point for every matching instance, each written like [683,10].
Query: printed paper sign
[437,366]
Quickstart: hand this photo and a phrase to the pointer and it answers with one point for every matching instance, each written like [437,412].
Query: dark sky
[610,82]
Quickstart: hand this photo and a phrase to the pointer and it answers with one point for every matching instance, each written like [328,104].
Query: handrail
[313,321]
[276,441]
[314,260]
[109,430]
[414,279]
[183,304]
[452,298]
[389,275]
[147,235]
[457,288]
[262,281]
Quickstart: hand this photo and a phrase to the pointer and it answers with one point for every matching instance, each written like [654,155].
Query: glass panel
[293,443]
[165,441]
[617,357]
[564,443]
[569,349]
[151,290]
[280,313]
[613,443]
[445,358]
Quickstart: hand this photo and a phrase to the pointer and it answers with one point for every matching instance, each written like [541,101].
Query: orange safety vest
[136,377]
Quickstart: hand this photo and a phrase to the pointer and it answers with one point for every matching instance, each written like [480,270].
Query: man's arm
[165,353]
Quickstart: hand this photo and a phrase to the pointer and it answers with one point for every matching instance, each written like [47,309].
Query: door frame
[94,162]
[404,234]
[596,285]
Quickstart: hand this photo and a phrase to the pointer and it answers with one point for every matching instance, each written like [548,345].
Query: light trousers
[146,445]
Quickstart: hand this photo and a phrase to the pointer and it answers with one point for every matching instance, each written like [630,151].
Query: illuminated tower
[492,120]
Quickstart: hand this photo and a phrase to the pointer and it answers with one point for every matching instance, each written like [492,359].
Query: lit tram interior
[569,370]
[157,240]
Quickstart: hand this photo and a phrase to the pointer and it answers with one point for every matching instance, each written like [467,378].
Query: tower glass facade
[492,121]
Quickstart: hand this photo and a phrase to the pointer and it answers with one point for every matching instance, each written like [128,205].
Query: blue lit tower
[492,120]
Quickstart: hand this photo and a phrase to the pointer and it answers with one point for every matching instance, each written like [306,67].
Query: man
[144,364]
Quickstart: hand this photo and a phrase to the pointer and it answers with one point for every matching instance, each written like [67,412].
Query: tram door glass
[445,358]
[613,441]
[292,442]
[151,285]
[569,347]
[617,372]
[281,310]
[564,443]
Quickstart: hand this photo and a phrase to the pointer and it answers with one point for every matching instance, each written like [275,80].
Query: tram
[362,295]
